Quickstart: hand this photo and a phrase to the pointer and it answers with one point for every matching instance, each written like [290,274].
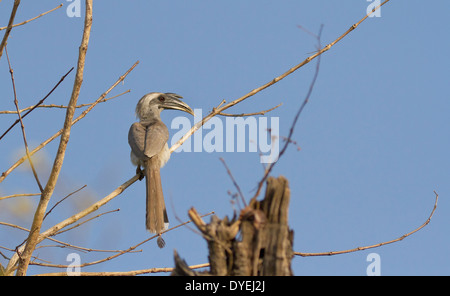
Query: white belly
[163,157]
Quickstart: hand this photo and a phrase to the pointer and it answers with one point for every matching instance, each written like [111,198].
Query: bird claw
[140,173]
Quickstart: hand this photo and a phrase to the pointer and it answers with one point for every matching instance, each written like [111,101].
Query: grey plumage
[148,141]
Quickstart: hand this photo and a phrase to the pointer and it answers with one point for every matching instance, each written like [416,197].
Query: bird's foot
[140,173]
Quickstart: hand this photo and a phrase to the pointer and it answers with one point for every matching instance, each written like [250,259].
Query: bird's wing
[136,139]
[147,140]
[156,137]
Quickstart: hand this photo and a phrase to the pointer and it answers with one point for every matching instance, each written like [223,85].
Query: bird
[149,150]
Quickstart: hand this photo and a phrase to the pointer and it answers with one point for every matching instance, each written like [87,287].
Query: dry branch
[375,245]
[32,19]
[51,183]
[222,107]
[126,273]
[264,243]
[62,106]
[37,105]
[121,252]
[57,134]
[64,198]
[254,219]
[90,219]
[56,228]
[53,230]
[9,27]
[250,114]
[19,195]
[61,243]
[16,103]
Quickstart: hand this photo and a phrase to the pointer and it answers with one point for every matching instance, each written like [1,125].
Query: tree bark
[258,242]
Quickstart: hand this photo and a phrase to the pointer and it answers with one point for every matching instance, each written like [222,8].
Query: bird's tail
[156,214]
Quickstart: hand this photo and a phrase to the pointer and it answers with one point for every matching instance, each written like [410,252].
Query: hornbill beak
[172,101]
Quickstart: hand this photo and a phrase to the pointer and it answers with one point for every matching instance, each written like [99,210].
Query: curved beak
[172,101]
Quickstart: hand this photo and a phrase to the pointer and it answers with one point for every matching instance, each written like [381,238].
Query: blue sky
[374,136]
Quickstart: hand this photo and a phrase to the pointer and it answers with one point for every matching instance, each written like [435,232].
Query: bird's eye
[162,99]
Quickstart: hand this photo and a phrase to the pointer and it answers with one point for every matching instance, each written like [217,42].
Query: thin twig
[221,108]
[32,19]
[68,195]
[57,134]
[61,243]
[234,181]
[126,273]
[376,245]
[11,250]
[19,195]
[59,158]
[79,224]
[39,103]
[62,106]
[250,114]
[9,27]
[132,248]
[74,218]
[64,245]
[294,123]
[16,103]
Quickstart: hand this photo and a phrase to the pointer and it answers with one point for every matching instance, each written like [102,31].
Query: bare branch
[126,273]
[56,228]
[61,243]
[79,224]
[51,183]
[62,106]
[291,130]
[130,249]
[376,245]
[19,195]
[24,253]
[220,108]
[9,28]
[16,103]
[68,195]
[32,19]
[251,114]
[81,116]
[234,181]
[35,106]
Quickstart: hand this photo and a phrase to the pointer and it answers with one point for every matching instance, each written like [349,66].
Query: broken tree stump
[258,242]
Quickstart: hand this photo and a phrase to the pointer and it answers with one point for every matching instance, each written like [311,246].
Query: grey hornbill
[149,150]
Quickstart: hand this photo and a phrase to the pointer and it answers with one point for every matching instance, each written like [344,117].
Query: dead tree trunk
[258,242]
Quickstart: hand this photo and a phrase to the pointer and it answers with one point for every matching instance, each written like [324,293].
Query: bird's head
[155,102]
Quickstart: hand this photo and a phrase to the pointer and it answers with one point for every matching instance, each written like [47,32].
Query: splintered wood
[258,242]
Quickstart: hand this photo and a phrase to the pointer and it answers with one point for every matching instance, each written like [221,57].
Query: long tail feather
[156,214]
